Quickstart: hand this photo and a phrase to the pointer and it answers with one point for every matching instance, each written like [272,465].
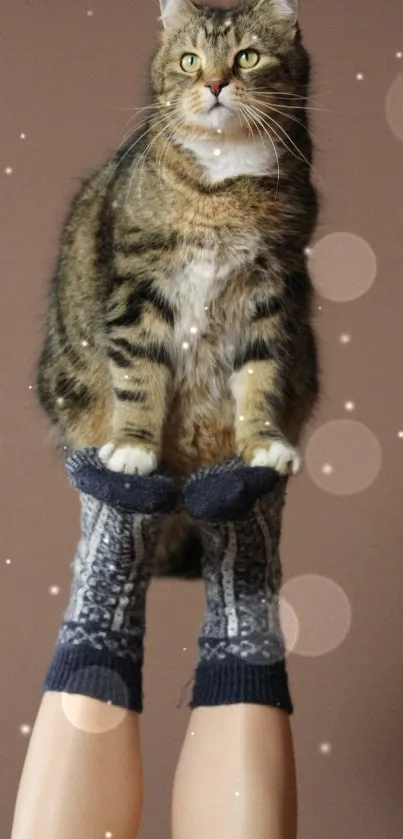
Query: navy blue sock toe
[227,491]
[128,493]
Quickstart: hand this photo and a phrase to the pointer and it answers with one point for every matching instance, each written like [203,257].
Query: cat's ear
[285,11]
[175,13]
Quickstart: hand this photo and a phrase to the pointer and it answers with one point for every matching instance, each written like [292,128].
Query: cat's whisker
[296,107]
[134,144]
[171,136]
[140,108]
[277,111]
[290,93]
[161,158]
[256,122]
[263,117]
[143,159]
[241,116]
[165,146]
[130,132]
[273,93]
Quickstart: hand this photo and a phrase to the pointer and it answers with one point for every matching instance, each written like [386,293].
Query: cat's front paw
[131,460]
[282,457]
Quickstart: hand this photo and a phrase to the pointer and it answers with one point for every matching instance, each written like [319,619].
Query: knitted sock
[99,651]
[242,649]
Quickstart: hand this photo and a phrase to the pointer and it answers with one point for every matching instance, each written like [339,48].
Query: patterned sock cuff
[235,682]
[98,674]
[144,494]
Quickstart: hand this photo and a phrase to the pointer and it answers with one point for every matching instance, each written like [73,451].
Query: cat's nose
[216,87]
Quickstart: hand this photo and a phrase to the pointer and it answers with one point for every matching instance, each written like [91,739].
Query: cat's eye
[247,59]
[190,62]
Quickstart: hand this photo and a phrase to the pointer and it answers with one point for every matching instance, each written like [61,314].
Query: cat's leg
[140,363]
[275,388]
[260,440]
[260,386]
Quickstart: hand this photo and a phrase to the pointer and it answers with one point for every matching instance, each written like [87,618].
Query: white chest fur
[194,288]
[225,158]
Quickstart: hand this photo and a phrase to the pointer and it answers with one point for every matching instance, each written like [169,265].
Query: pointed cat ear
[174,13]
[284,10]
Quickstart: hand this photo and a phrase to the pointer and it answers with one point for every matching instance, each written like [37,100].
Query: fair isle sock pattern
[241,644]
[99,649]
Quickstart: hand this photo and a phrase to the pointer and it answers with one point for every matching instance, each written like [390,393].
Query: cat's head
[227,70]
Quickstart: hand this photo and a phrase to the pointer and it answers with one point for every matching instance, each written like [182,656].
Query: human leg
[236,774]
[82,774]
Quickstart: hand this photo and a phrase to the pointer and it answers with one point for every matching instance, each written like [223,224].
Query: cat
[179,323]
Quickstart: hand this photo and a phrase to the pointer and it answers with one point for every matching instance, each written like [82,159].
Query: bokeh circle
[394,107]
[289,624]
[323,611]
[343,267]
[343,457]
[96,717]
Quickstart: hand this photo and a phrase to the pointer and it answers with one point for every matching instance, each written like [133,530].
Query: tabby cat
[179,328]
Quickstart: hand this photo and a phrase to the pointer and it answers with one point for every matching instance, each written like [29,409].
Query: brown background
[68,82]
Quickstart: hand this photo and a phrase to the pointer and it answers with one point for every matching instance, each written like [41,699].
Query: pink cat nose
[216,87]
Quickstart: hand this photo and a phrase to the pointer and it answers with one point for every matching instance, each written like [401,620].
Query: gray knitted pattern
[243,576]
[112,570]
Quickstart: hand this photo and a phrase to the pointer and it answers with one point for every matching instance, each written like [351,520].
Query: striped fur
[180,310]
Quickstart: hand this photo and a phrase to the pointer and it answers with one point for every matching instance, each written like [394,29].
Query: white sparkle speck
[359,77]
[25,729]
[90,13]
[350,406]
[237,794]
[108,835]
[217,152]
[399,54]
[254,37]
[54,590]
[126,377]
[345,339]
[185,649]
[400,435]
[250,371]
[219,130]
[193,330]
[60,401]
[320,308]
[8,170]
[168,104]
[308,251]
[241,419]
[30,387]
[185,345]
[325,748]
[206,308]
[192,733]
[8,561]
[267,423]
[23,136]
[84,343]
[327,469]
